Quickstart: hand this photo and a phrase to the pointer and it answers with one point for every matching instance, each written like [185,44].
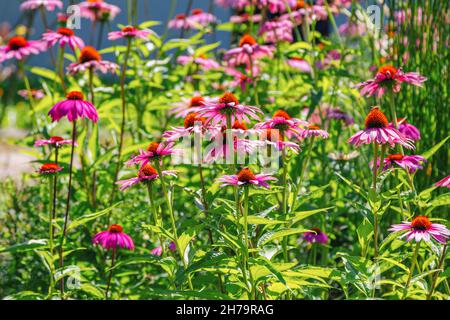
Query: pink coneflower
[157,251]
[63,36]
[154,151]
[35,94]
[316,237]
[73,107]
[409,163]
[378,131]
[90,59]
[228,106]
[248,52]
[129,32]
[220,150]
[203,62]
[313,131]
[277,6]
[98,10]
[113,237]
[235,4]
[246,177]
[421,228]
[388,77]
[299,64]
[200,18]
[352,29]
[19,47]
[193,124]
[444,182]
[54,141]
[49,169]
[146,174]
[274,137]
[49,5]
[187,106]
[179,22]
[277,31]
[283,122]
[245,17]
[410,131]
[338,114]
[240,79]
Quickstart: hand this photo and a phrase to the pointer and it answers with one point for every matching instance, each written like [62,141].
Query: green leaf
[183,241]
[261,220]
[202,50]
[428,154]
[301,215]
[396,263]
[271,235]
[45,73]
[26,246]
[91,216]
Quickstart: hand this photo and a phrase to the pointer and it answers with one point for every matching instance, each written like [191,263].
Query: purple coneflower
[74,107]
[154,151]
[274,137]
[248,52]
[409,163]
[49,5]
[35,94]
[184,108]
[203,62]
[338,114]
[54,141]
[313,131]
[391,78]
[113,237]
[299,64]
[98,10]
[410,131]
[421,228]
[316,237]
[378,131]
[179,22]
[49,169]
[19,47]
[444,182]
[129,32]
[283,122]
[146,174]
[276,31]
[63,36]
[228,106]
[246,177]
[90,59]
[200,18]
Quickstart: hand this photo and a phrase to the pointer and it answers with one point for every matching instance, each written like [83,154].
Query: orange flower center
[228,98]
[396,157]
[281,114]
[421,223]
[247,39]
[115,228]
[401,120]
[180,17]
[197,11]
[376,119]
[128,29]
[272,135]
[49,167]
[57,138]
[196,101]
[245,175]
[191,119]
[153,146]
[239,125]
[388,71]
[75,95]
[148,170]
[66,32]
[316,230]
[301,5]
[313,127]
[16,43]
[88,53]
[297,58]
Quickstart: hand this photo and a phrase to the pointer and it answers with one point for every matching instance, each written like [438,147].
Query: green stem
[66,215]
[411,270]
[436,275]
[113,260]
[154,211]
[30,94]
[172,217]
[374,188]
[60,67]
[302,173]
[246,242]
